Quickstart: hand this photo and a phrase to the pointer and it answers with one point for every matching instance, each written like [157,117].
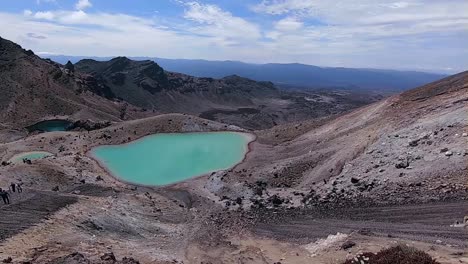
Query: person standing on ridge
[5,196]
[13,187]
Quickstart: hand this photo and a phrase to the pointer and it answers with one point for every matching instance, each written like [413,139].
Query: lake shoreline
[249,137]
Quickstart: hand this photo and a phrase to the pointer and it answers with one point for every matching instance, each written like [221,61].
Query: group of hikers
[14,187]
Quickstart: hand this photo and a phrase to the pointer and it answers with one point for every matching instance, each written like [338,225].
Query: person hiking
[19,188]
[13,187]
[5,196]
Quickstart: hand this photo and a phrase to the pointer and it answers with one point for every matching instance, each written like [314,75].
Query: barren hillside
[409,147]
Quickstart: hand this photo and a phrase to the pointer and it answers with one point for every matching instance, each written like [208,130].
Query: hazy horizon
[52,56]
[416,35]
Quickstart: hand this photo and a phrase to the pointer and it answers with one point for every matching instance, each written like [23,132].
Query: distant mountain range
[290,75]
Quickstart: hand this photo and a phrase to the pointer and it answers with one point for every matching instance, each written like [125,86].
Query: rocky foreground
[392,172]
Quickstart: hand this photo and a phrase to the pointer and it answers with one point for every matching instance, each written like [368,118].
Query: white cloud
[45,1]
[103,35]
[289,24]
[46,53]
[47,15]
[83,4]
[354,31]
[399,4]
[219,24]
[27,12]
[358,12]
[362,33]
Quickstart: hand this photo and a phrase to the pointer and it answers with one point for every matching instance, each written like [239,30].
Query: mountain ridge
[293,74]
[231,99]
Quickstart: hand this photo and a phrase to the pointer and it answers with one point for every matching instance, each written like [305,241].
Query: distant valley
[297,76]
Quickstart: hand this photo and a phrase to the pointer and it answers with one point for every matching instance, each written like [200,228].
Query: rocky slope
[34,89]
[280,205]
[410,147]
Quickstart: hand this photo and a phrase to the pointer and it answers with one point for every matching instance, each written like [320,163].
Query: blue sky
[427,35]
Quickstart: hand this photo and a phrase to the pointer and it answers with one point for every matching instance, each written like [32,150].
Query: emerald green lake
[163,159]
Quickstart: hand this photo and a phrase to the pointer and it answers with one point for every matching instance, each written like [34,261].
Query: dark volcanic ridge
[232,99]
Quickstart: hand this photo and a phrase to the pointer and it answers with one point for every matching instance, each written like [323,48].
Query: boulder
[89,125]
[402,164]
[108,257]
[414,143]
[276,200]
[89,224]
[74,258]
[347,245]
[129,261]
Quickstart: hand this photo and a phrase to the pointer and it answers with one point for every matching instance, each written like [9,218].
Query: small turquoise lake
[163,159]
[34,155]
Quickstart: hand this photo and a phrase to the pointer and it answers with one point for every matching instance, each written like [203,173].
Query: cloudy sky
[408,34]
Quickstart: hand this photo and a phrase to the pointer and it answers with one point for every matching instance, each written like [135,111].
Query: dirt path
[427,222]
[28,209]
